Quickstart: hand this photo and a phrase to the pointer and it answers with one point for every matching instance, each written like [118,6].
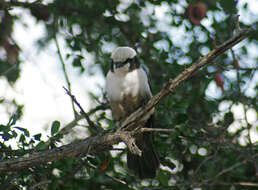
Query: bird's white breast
[121,84]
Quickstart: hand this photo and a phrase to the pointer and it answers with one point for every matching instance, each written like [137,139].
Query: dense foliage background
[212,147]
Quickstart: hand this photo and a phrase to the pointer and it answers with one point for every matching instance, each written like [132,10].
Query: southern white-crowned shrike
[127,89]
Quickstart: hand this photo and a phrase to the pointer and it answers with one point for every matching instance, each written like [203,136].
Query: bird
[128,88]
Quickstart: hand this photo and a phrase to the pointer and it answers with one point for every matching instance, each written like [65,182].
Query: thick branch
[93,145]
[105,140]
[136,118]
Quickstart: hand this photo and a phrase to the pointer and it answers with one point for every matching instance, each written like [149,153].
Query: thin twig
[248,69]
[222,67]
[250,184]
[68,178]
[68,127]
[203,162]
[104,173]
[91,123]
[73,123]
[40,183]
[60,10]
[8,182]
[14,66]
[250,144]
[230,168]
[246,184]
[238,29]
[117,149]
[65,72]
[223,172]
[142,130]
[237,70]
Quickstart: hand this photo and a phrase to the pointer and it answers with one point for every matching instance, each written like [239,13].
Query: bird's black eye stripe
[112,66]
[129,60]
[133,60]
[134,63]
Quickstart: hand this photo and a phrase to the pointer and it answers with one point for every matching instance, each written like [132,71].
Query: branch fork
[129,140]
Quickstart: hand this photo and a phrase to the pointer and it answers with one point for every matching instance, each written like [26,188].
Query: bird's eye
[132,60]
[129,60]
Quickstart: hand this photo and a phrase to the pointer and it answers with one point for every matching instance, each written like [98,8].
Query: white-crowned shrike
[128,88]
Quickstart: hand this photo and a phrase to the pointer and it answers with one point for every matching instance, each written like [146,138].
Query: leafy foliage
[203,151]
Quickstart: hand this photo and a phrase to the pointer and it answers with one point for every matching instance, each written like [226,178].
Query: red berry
[196,12]
[219,81]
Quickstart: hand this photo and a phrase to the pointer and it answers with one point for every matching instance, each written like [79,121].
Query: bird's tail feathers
[146,165]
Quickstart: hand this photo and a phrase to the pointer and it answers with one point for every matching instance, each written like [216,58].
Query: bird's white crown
[121,54]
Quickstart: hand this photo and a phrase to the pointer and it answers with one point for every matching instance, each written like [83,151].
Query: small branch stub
[129,140]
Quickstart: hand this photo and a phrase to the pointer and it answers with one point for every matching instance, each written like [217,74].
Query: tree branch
[40,183]
[60,9]
[93,145]
[73,123]
[105,174]
[104,140]
[64,71]
[143,130]
[68,127]
[139,116]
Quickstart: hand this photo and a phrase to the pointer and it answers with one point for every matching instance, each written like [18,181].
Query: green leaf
[181,118]
[14,134]
[55,127]
[22,138]
[25,131]
[14,119]
[37,137]
[163,178]
[4,128]
[58,137]
[228,119]
[41,146]
[6,136]
[229,6]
